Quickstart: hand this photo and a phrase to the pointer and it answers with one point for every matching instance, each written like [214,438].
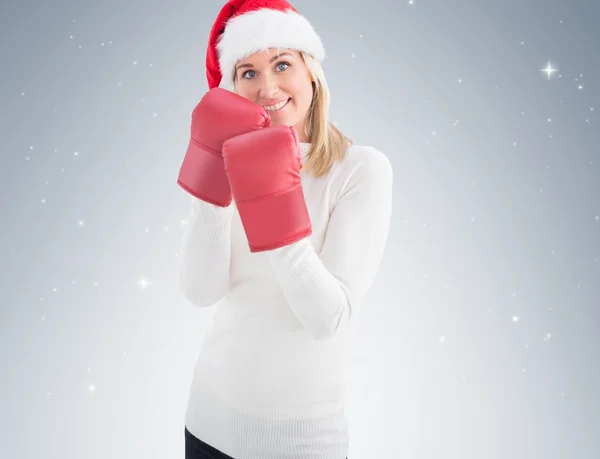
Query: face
[279,81]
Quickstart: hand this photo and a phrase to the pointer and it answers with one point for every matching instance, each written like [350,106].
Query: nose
[268,87]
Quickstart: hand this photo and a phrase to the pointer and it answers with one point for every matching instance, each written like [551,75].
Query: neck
[301,130]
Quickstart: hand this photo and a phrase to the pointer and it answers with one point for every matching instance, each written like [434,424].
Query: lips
[277,106]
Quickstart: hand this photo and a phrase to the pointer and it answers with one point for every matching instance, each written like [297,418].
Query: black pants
[197,449]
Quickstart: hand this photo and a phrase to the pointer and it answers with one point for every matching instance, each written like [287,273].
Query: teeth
[276,106]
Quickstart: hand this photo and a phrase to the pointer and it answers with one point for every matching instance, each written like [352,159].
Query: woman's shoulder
[366,159]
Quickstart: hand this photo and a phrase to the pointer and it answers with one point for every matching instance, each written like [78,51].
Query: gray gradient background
[479,338]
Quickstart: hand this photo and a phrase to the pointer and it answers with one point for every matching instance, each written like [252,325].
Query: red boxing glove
[220,114]
[264,174]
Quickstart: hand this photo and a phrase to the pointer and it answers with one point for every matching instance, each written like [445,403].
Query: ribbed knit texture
[270,380]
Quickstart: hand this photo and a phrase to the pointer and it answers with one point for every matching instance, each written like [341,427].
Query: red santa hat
[244,27]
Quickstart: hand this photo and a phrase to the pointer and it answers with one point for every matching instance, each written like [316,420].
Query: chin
[283,121]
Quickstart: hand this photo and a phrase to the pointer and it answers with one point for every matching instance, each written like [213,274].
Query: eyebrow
[273,59]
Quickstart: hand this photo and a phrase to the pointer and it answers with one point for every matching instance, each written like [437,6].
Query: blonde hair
[328,144]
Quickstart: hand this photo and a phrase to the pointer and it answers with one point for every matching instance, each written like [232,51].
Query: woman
[286,231]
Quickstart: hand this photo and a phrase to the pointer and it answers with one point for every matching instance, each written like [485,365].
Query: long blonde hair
[328,144]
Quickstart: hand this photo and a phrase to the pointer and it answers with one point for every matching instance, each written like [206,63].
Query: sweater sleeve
[205,253]
[325,289]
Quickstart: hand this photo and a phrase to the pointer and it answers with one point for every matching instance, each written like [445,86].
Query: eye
[249,74]
[281,66]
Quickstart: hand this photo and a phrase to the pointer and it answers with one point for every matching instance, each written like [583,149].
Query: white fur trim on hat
[263,29]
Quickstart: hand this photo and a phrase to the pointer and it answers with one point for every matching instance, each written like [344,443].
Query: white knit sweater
[270,380]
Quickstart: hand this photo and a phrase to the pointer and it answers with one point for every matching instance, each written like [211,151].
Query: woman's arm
[325,289]
[205,253]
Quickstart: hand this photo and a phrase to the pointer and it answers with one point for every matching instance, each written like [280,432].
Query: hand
[263,167]
[220,114]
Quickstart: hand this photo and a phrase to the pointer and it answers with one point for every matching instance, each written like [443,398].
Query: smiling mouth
[278,106]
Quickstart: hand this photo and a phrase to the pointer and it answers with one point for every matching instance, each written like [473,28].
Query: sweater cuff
[209,221]
[293,264]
